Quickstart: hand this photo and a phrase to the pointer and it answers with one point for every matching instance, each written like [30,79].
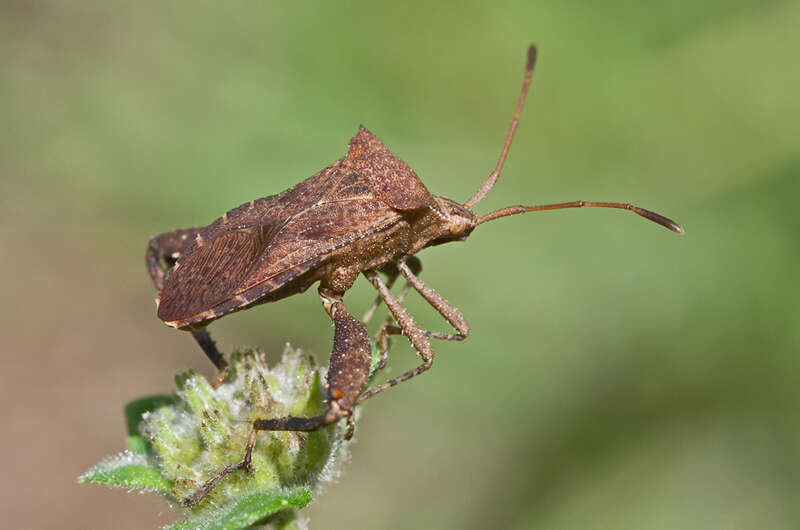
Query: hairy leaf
[128,470]
[250,510]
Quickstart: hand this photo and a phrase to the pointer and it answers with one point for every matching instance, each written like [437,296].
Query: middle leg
[392,272]
[409,328]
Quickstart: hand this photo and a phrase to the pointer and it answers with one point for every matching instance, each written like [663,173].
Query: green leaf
[128,470]
[133,416]
[249,510]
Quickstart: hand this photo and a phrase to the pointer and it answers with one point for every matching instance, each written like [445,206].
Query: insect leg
[409,267]
[162,252]
[211,483]
[209,347]
[347,375]
[450,313]
[409,328]
[383,338]
[387,329]
[392,272]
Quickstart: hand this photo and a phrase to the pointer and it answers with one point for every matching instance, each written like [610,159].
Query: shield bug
[367,213]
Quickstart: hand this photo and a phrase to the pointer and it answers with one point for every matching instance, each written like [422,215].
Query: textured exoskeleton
[367,213]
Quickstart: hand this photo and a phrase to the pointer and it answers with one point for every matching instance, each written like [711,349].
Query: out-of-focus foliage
[617,375]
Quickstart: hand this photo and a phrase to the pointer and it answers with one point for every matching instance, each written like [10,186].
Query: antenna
[647,214]
[484,189]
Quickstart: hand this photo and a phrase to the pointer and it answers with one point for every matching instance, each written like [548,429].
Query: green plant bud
[177,443]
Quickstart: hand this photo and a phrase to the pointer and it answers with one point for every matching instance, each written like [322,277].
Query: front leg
[409,267]
[347,375]
[450,313]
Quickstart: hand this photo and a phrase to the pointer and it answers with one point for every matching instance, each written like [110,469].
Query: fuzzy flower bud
[176,443]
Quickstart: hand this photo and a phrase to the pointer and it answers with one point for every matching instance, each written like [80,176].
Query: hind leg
[347,375]
[162,252]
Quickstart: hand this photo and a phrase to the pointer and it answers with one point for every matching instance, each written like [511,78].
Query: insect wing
[227,268]
[262,245]
[318,231]
[209,274]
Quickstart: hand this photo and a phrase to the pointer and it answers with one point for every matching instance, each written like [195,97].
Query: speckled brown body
[357,214]
[361,214]
[367,213]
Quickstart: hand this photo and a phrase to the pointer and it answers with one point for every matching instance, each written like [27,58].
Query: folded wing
[261,246]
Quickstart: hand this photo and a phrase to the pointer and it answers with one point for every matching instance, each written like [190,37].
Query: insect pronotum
[367,213]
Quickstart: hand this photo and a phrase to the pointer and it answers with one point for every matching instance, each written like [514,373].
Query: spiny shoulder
[391,180]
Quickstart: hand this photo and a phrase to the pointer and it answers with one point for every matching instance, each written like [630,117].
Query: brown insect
[367,213]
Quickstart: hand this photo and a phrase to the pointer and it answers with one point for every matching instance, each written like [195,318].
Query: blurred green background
[617,375]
